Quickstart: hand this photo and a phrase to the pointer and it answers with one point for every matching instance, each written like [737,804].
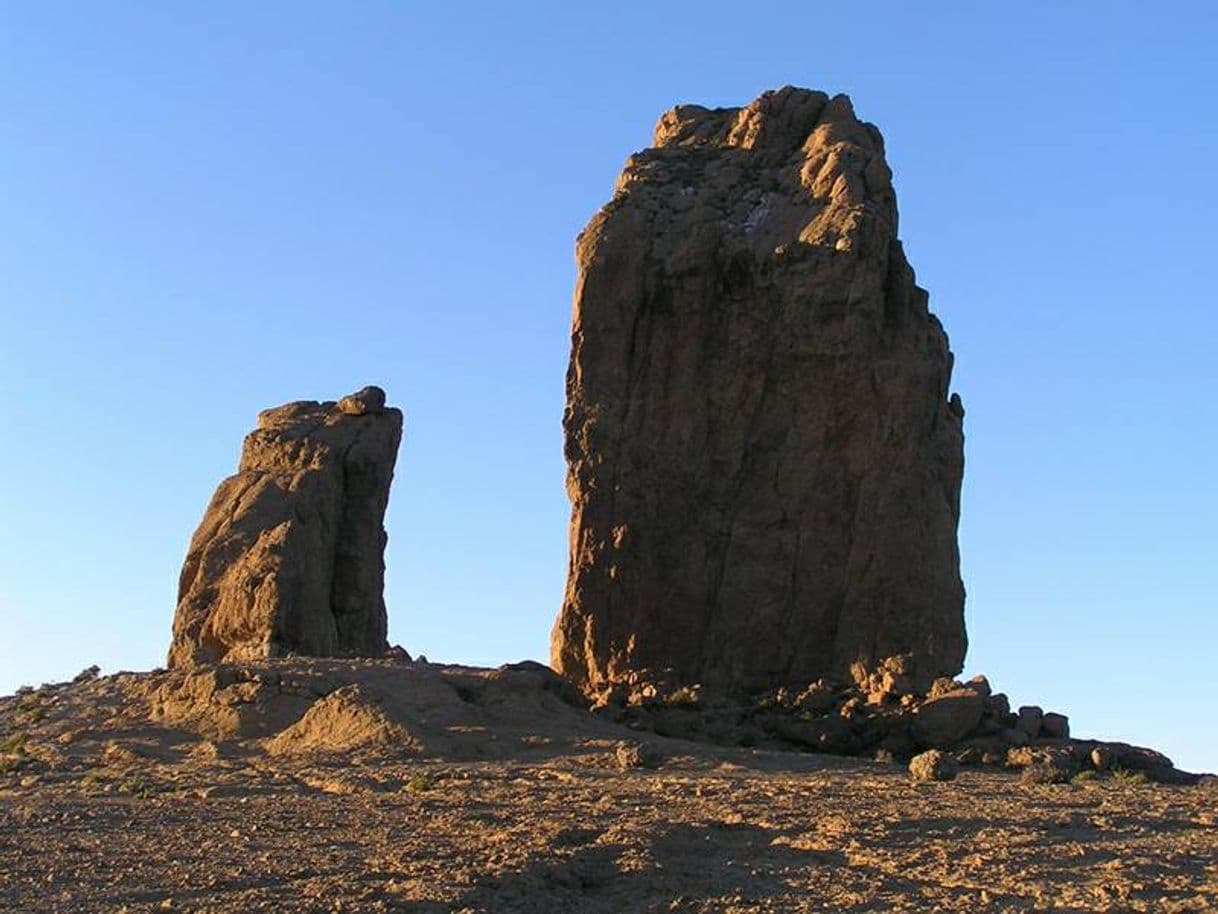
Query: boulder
[1057,757]
[948,718]
[289,556]
[980,685]
[1030,720]
[831,734]
[764,456]
[933,765]
[362,402]
[818,698]
[637,755]
[998,706]
[1055,726]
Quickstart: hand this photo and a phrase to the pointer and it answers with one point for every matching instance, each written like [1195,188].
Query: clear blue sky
[207,209]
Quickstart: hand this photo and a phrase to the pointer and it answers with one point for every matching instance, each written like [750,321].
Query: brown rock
[368,400]
[1055,726]
[832,734]
[289,556]
[1030,720]
[948,718]
[980,685]
[1014,737]
[819,698]
[998,706]
[1056,757]
[933,765]
[764,462]
[637,755]
[944,685]
[893,677]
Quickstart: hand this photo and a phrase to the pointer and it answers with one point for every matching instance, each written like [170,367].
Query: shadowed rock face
[764,463]
[289,558]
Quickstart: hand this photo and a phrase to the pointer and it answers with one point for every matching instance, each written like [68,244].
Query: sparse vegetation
[1127,778]
[685,697]
[14,743]
[29,701]
[136,787]
[419,782]
[1044,773]
[89,674]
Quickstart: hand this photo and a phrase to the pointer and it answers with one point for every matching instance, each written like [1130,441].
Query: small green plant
[1127,778]
[765,701]
[11,765]
[30,701]
[684,697]
[137,788]
[419,782]
[14,743]
[1085,776]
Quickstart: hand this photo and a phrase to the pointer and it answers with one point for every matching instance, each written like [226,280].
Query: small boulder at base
[948,718]
[637,755]
[933,765]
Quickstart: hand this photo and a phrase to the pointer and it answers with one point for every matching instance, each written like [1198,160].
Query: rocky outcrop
[289,558]
[963,720]
[764,461]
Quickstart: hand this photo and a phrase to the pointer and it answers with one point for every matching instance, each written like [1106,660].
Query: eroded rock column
[289,558]
[764,458]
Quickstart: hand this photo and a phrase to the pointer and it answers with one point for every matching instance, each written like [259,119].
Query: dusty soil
[372,786]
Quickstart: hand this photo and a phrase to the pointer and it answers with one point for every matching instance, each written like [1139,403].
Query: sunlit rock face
[289,558]
[764,461]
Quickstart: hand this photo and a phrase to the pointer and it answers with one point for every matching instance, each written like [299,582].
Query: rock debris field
[343,785]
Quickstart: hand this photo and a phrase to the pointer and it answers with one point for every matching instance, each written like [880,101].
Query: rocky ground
[395,786]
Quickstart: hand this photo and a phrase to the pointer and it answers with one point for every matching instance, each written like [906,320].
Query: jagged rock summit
[289,558]
[764,457]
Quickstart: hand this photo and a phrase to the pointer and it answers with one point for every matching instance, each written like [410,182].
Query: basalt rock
[764,458]
[289,558]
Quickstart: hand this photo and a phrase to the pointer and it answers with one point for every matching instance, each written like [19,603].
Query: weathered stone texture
[289,558]
[764,460]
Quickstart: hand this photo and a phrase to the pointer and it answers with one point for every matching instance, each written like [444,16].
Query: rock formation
[764,462]
[289,558]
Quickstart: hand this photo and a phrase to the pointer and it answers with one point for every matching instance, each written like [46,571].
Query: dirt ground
[324,787]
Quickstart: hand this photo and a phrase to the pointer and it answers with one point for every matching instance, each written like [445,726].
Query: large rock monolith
[289,558]
[764,460]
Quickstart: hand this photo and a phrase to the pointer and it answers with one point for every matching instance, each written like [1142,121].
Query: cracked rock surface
[289,558]
[764,457]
